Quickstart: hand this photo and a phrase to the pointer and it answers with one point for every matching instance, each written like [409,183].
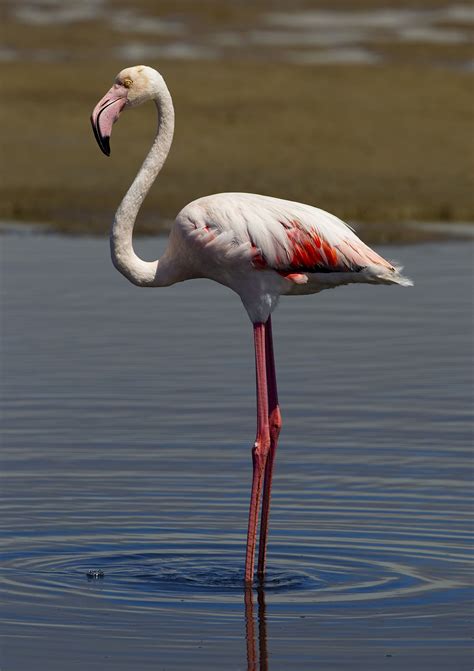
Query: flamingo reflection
[256,662]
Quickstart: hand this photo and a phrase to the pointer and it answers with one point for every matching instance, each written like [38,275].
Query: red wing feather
[309,252]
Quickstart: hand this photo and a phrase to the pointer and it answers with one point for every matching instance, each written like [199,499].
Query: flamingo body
[263,247]
[258,246]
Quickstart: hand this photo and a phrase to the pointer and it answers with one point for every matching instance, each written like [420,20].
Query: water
[127,425]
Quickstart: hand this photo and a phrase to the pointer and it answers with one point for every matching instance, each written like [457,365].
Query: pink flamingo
[261,247]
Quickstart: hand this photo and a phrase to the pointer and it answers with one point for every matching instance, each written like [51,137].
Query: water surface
[127,425]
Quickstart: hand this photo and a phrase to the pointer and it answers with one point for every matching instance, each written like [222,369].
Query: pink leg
[260,449]
[274,421]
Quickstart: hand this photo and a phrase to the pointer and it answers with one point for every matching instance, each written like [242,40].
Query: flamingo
[259,246]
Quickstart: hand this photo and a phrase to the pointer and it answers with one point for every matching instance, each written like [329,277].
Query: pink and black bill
[106,113]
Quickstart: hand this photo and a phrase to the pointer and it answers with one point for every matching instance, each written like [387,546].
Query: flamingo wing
[289,237]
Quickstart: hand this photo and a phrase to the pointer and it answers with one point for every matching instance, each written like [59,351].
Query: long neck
[143,273]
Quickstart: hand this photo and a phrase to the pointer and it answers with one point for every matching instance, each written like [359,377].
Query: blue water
[127,425]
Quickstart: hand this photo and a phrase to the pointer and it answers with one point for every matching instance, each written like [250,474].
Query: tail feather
[389,275]
[401,279]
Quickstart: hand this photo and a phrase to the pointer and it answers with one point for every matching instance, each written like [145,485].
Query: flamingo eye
[127,82]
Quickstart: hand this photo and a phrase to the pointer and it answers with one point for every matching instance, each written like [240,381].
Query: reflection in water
[250,630]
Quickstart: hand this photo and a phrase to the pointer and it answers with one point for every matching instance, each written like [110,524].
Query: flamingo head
[133,86]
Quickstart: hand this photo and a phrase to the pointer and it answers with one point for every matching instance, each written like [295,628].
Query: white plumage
[263,247]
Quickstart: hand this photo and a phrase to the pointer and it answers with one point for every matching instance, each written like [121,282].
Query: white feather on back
[275,233]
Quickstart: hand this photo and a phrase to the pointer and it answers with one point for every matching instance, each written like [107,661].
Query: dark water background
[127,425]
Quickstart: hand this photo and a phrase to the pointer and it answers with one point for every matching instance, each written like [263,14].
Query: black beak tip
[102,140]
[105,145]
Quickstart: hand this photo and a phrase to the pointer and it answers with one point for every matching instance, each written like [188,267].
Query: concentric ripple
[311,573]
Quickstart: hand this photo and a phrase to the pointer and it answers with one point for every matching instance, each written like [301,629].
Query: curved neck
[143,273]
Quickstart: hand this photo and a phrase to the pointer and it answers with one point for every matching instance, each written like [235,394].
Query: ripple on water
[141,470]
[315,574]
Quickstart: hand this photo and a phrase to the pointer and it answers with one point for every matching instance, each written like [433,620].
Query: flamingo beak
[106,113]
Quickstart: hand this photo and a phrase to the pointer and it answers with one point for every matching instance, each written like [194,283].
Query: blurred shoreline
[409,232]
[364,111]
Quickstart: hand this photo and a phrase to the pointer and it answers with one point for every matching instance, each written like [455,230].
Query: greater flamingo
[259,246]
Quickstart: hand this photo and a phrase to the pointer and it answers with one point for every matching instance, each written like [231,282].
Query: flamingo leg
[274,420]
[261,447]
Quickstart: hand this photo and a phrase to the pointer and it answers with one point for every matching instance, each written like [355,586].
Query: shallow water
[127,425]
